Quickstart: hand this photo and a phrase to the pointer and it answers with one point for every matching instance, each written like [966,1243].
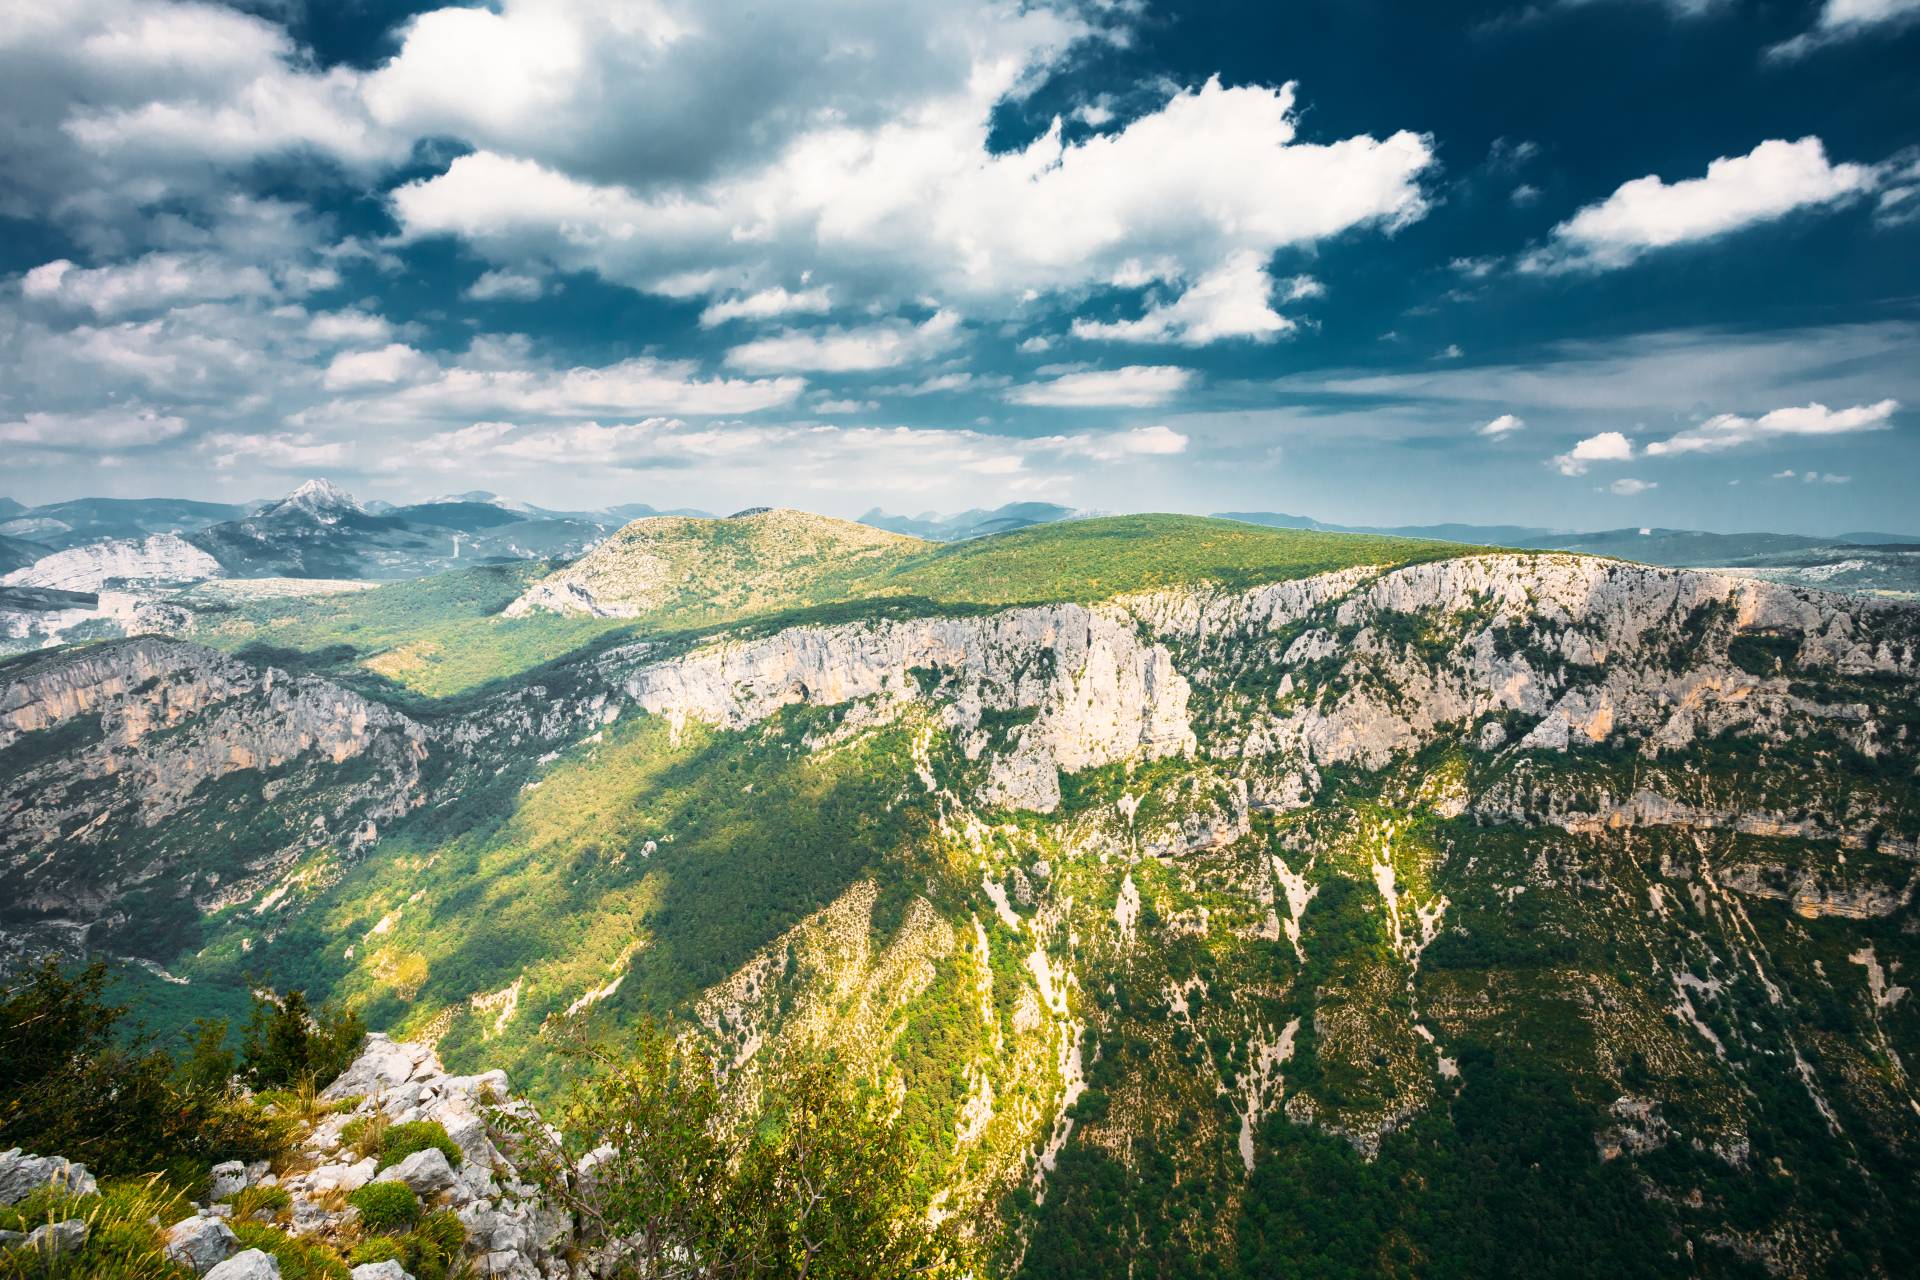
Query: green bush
[75,1080]
[376,1249]
[403,1140]
[298,1259]
[427,1252]
[818,1180]
[262,1202]
[366,1135]
[287,1043]
[385,1206]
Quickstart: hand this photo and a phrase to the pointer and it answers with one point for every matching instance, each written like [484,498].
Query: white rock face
[426,1173]
[201,1242]
[160,557]
[252,1264]
[1607,649]
[229,1179]
[1098,691]
[1585,648]
[21,1175]
[329,1178]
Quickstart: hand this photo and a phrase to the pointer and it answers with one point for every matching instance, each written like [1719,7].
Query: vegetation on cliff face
[1491,914]
[811,1178]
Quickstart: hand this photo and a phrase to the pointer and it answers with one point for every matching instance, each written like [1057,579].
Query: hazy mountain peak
[318,497]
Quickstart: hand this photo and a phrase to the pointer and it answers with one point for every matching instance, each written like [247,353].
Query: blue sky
[1577,263]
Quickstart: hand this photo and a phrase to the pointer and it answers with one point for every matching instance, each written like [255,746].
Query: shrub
[819,1180]
[376,1249]
[286,1042]
[262,1202]
[385,1206]
[366,1135]
[403,1140]
[298,1259]
[74,1080]
[427,1252]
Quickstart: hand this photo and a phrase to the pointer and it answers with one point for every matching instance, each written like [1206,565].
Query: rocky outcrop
[1578,650]
[22,1174]
[202,1242]
[510,1233]
[1356,668]
[158,558]
[170,716]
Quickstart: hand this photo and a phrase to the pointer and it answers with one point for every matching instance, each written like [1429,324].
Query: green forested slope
[446,635]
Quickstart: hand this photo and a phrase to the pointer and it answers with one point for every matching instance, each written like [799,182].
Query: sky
[1579,264]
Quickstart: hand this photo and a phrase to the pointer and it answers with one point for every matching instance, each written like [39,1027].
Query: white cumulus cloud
[861,350]
[767,303]
[1773,180]
[1846,20]
[919,205]
[1114,446]
[519,286]
[642,386]
[1607,446]
[1132,386]
[389,365]
[146,283]
[94,430]
[1730,430]
[1505,424]
[1235,301]
[275,450]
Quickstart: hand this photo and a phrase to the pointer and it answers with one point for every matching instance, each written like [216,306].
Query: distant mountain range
[1863,561]
[1679,547]
[1881,563]
[977,523]
[317,531]
[321,531]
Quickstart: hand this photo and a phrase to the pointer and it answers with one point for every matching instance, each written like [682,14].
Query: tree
[73,1083]
[814,1181]
[287,1043]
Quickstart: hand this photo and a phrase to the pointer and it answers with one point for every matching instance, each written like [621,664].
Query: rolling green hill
[1095,559]
[453,633]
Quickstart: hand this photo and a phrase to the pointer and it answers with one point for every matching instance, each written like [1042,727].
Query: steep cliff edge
[146,781]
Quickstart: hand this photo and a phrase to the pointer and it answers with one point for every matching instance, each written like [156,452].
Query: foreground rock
[21,1175]
[201,1242]
[251,1265]
[509,1233]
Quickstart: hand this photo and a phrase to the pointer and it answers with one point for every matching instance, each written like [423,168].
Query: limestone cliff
[157,558]
[107,747]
